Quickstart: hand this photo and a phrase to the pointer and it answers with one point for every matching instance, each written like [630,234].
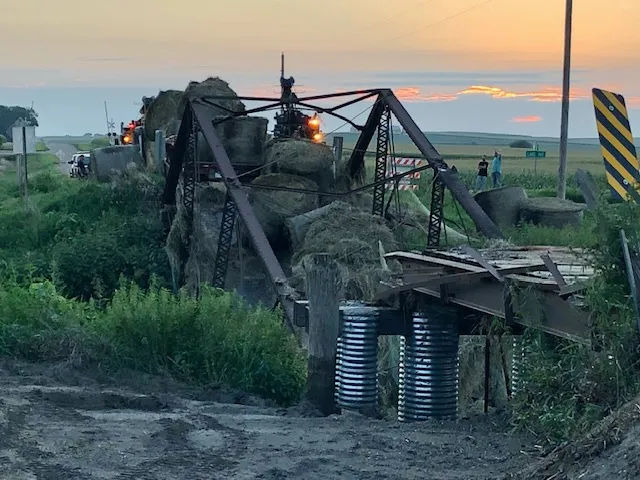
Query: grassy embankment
[84,276]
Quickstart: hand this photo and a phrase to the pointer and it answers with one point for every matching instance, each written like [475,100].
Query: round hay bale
[552,212]
[162,114]
[352,237]
[213,86]
[502,205]
[273,207]
[302,157]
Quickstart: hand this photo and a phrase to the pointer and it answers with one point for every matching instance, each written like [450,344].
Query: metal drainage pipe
[358,368]
[517,362]
[429,368]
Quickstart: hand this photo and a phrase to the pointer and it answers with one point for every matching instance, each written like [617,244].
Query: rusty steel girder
[199,116]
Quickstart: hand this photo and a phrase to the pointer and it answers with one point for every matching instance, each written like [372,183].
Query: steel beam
[176,157]
[436,212]
[203,116]
[459,191]
[356,160]
[382,153]
[560,318]
[190,176]
[224,243]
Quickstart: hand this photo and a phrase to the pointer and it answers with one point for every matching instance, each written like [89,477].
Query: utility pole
[564,119]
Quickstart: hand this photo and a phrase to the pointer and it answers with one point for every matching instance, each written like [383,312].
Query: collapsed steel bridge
[202,115]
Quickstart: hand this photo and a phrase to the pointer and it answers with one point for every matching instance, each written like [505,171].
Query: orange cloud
[526,119]
[633,102]
[414,94]
[547,94]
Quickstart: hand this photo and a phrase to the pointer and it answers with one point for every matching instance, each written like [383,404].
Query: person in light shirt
[496,169]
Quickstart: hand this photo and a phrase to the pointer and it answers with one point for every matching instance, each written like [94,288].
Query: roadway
[64,152]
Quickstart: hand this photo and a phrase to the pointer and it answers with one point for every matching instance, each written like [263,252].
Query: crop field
[465,157]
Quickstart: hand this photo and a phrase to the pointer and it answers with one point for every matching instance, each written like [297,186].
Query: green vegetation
[570,386]
[96,142]
[84,275]
[10,115]
[521,144]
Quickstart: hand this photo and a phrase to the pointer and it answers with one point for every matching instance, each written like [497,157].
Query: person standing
[481,176]
[496,170]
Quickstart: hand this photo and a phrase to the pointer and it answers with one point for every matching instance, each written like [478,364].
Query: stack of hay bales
[274,207]
[193,259]
[243,137]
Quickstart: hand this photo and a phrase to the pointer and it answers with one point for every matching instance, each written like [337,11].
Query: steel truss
[382,154]
[200,116]
[436,213]
[224,242]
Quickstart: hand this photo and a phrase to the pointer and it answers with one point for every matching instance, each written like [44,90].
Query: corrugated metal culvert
[357,371]
[517,361]
[429,367]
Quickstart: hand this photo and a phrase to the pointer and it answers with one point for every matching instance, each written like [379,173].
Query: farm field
[466,156]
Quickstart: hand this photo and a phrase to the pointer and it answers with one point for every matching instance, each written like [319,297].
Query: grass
[84,277]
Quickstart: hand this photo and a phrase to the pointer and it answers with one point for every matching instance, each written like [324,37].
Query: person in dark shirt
[483,172]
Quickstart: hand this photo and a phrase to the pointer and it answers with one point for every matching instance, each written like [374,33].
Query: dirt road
[64,152]
[58,424]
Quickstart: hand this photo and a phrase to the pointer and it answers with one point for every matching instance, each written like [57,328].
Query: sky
[457,65]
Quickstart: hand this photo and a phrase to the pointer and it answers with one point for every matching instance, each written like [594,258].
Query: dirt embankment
[56,423]
[610,451]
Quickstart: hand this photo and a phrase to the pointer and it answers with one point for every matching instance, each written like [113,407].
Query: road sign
[396,165]
[30,135]
[536,154]
[616,142]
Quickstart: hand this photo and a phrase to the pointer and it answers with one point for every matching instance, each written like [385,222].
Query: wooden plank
[483,263]
[557,276]
[465,278]
[434,261]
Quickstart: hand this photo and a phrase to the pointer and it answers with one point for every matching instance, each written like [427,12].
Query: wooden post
[324,325]
[564,116]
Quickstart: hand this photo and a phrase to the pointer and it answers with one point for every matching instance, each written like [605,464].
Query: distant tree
[3,139]
[521,144]
[101,141]
[10,115]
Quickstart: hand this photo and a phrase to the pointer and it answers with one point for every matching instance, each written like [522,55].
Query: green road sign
[536,153]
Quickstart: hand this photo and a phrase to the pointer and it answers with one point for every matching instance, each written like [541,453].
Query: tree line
[10,115]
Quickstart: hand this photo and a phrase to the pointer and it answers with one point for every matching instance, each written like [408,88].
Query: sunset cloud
[526,119]
[414,94]
[546,94]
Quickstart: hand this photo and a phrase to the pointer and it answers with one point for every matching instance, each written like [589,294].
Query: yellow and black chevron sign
[616,142]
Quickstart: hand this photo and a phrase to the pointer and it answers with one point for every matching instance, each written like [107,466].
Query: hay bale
[166,109]
[502,205]
[243,139]
[109,161]
[552,212]
[303,157]
[213,86]
[195,266]
[298,226]
[273,207]
[352,237]
[162,114]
